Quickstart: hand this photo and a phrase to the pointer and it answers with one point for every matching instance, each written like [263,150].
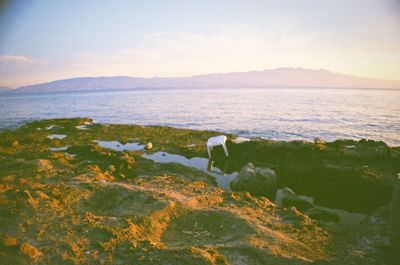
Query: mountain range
[5,89]
[274,78]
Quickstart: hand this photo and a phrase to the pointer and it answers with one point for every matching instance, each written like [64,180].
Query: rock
[44,165]
[111,168]
[322,215]
[290,198]
[292,215]
[257,181]
[32,252]
[149,146]
[9,241]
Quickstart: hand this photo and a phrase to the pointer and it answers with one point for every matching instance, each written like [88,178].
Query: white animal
[214,141]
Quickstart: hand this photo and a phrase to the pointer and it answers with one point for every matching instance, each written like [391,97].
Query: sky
[47,40]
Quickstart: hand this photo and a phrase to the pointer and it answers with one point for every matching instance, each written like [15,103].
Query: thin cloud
[21,59]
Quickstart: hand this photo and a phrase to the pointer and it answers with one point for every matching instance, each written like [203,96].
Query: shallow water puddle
[117,146]
[223,179]
[346,218]
[203,164]
[56,149]
[82,127]
[56,136]
[51,127]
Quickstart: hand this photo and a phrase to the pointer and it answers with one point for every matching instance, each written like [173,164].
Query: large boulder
[290,198]
[256,180]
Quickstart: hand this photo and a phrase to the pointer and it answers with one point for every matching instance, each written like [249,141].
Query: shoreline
[233,133]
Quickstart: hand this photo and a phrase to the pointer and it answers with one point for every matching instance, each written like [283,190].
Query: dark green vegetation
[100,206]
[356,176]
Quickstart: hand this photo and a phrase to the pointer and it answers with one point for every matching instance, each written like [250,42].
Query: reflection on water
[56,149]
[223,179]
[51,127]
[203,164]
[117,146]
[56,136]
[282,114]
[82,127]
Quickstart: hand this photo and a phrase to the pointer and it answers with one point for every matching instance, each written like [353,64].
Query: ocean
[279,114]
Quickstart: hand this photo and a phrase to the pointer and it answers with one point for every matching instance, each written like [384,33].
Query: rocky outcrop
[256,180]
[290,198]
[44,165]
[323,215]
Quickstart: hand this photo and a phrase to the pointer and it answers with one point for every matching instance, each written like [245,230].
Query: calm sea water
[282,114]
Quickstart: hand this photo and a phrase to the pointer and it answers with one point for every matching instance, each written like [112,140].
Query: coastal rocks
[290,198]
[256,180]
[32,252]
[9,241]
[149,146]
[44,165]
[323,215]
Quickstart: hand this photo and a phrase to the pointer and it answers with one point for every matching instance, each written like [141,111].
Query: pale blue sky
[48,40]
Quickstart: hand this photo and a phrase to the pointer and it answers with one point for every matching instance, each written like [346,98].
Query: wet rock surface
[256,180]
[102,206]
[290,198]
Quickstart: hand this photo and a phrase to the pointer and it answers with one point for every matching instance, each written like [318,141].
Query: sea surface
[280,114]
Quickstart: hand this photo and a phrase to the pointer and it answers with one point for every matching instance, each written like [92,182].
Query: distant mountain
[275,78]
[5,89]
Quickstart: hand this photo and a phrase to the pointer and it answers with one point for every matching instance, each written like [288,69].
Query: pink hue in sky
[48,40]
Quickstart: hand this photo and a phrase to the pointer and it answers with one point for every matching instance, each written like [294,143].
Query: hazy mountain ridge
[280,77]
[5,89]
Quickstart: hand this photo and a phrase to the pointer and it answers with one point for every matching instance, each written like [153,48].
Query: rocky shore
[66,198]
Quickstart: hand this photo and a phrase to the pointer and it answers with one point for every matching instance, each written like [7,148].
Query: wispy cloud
[235,48]
[21,59]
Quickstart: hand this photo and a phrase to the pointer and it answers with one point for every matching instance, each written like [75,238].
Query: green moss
[114,206]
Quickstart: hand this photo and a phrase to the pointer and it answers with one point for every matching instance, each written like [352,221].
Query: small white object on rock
[215,141]
[149,146]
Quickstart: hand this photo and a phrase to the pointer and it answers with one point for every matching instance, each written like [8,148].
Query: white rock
[149,146]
